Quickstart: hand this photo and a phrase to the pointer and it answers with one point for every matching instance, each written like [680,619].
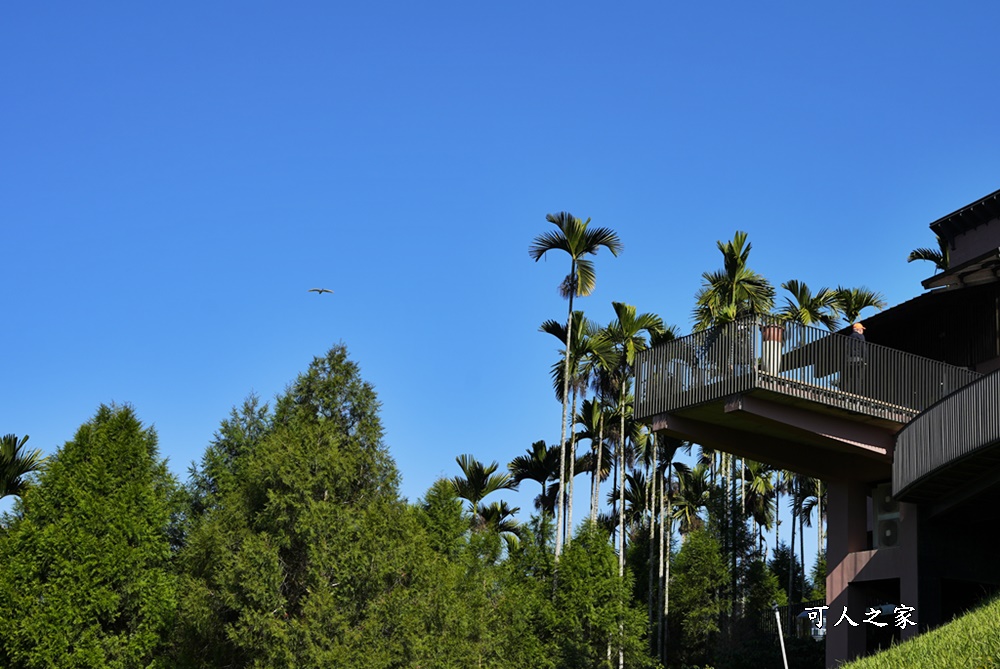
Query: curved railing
[954,428]
[790,359]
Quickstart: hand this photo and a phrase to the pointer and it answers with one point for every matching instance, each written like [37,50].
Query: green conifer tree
[304,555]
[699,576]
[86,579]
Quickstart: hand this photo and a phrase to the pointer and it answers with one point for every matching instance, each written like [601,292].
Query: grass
[969,642]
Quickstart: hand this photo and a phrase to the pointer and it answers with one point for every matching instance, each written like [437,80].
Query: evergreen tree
[699,577]
[595,609]
[780,565]
[86,579]
[443,518]
[818,575]
[304,557]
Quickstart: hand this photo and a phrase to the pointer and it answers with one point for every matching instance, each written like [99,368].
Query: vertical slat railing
[958,425]
[698,368]
[791,359]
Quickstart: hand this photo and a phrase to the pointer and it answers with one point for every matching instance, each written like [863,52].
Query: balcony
[793,360]
[951,452]
[785,385]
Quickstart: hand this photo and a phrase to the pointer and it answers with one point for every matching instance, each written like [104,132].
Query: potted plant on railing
[801,306]
[772,334]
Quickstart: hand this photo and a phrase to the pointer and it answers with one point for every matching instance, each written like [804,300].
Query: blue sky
[174,178]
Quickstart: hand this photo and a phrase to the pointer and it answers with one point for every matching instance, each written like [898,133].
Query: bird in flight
[320,291]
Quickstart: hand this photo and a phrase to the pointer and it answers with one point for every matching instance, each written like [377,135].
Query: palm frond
[16,464]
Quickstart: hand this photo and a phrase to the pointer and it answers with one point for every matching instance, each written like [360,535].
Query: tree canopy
[86,578]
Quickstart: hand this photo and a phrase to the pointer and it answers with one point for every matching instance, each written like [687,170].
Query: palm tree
[626,333]
[605,385]
[577,240]
[657,457]
[940,256]
[669,447]
[693,488]
[800,488]
[807,309]
[583,349]
[735,290]
[760,498]
[478,482]
[499,517]
[592,417]
[851,301]
[541,465]
[16,464]
[813,498]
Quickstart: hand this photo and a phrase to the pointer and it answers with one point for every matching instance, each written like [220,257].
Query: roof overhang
[968,217]
[981,269]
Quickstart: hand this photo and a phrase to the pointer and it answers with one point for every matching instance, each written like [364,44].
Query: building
[904,429]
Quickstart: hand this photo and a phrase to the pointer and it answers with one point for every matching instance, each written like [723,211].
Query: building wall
[975,242]
[959,326]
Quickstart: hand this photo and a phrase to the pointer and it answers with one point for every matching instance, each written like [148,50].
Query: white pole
[781,637]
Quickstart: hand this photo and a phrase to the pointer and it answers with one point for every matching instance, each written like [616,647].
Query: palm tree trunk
[665,526]
[595,494]
[819,517]
[565,402]
[791,559]
[572,472]
[651,505]
[802,551]
[743,490]
[621,488]
[777,510]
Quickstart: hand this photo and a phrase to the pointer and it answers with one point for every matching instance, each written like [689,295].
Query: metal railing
[790,359]
[792,624]
[957,426]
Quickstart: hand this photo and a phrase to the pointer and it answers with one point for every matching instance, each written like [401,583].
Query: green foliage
[852,301]
[594,606]
[736,544]
[576,239]
[236,437]
[818,576]
[780,563]
[16,464]
[699,576]
[478,482]
[970,641]
[763,589]
[938,256]
[301,558]
[764,651]
[735,290]
[86,579]
[443,518]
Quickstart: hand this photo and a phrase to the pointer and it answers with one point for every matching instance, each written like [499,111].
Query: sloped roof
[968,217]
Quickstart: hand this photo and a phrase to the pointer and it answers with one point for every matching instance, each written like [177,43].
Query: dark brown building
[904,429]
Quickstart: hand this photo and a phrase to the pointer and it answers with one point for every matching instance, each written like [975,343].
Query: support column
[913,590]
[847,533]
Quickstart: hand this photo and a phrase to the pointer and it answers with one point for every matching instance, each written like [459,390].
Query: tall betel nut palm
[735,290]
[577,240]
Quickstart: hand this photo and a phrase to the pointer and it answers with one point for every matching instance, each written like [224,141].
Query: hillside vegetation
[969,642]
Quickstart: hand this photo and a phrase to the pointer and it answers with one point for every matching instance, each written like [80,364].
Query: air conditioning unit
[886,510]
[887,533]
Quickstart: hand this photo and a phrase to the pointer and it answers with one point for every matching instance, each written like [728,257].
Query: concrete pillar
[912,591]
[847,533]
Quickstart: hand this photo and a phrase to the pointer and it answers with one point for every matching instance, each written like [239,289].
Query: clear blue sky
[174,177]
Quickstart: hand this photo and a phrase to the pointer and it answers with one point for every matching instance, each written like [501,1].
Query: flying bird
[320,291]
